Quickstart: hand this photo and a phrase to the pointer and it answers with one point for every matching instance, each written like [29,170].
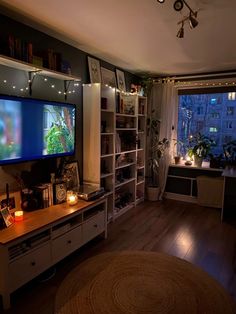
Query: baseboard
[181,197]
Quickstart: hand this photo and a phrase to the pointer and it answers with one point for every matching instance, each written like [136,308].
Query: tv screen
[33,129]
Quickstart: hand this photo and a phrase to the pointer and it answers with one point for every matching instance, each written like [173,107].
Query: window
[207,112]
[229,124]
[231,96]
[199,110]
[213,101]
[230,111]
[213,130]
[215,115]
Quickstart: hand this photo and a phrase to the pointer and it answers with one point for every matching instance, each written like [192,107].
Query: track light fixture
[191,18]
[192,21]
[180,33]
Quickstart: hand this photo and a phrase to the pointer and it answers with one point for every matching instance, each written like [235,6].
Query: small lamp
[71,198]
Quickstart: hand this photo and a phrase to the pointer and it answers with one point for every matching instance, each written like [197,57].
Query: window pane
[208,114]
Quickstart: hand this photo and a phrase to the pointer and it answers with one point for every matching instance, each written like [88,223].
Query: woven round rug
[132,282]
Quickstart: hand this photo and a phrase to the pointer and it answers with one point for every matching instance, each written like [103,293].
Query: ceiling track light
[180,33]
[192,21]
[191,18]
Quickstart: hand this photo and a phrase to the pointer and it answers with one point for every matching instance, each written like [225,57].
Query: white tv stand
[43,238]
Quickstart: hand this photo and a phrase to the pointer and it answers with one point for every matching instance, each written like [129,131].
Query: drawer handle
[69,241]
[33,263]
[95,225]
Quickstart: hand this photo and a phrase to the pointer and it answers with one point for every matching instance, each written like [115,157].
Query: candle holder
[71,198]
[19,215]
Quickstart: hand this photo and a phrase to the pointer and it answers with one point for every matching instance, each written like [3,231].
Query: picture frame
[14,201]
[6,216]
[108,77]
[70,174]
[120,78]
[94,70]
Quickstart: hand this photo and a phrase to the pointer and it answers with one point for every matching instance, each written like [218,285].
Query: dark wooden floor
[185,230]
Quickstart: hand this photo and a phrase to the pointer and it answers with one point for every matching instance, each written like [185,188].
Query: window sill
[205,166]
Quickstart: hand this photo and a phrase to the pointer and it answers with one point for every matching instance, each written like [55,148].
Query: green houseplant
[156,152]
[200,148]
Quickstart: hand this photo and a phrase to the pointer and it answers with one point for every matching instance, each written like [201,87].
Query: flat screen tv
[32,129]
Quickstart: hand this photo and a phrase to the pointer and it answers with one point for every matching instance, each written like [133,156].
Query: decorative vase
[198,161]
[152,193]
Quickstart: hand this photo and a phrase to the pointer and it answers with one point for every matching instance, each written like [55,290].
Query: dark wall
[16,80]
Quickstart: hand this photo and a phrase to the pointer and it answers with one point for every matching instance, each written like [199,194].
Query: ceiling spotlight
[192,21]
[178,5]
[180,33]
[161,1]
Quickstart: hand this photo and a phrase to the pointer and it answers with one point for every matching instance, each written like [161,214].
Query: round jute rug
[134,282]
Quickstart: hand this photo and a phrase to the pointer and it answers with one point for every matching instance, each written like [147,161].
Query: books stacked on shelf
[44,194]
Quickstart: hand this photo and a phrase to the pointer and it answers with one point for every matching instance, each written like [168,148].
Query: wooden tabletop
[40,218]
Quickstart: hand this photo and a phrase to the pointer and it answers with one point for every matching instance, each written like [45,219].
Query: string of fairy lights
[199,83]
[115,89]
[72,85]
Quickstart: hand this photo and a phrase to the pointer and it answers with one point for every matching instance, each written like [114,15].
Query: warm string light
[45,79]
[191,84]
[113,88]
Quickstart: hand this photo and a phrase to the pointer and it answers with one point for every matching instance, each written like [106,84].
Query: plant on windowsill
[200,148]
[180,147]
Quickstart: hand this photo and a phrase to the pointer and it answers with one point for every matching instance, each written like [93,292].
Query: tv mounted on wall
[32,129]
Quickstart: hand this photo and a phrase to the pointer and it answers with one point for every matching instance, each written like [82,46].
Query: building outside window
[208,114]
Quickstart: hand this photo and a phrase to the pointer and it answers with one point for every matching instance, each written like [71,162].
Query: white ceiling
[140,35]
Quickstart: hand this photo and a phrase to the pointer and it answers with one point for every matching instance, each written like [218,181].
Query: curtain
[164,102]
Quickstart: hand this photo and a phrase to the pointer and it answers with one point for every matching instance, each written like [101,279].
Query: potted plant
[156,151]
[200,147]
[179,150]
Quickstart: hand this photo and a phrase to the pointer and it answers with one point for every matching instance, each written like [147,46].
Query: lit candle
[19,215]
[72,198]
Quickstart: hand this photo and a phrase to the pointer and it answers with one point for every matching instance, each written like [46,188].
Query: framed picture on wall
[108,77]
[120,77]
[94,70]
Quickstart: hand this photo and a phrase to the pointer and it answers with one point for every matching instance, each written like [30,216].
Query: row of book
[20,49]
[44,194]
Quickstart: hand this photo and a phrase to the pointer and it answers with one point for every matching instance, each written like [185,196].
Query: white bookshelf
[114,136]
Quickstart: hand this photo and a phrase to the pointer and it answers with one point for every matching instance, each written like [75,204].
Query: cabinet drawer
[29,266]
[93,226]
[66,244]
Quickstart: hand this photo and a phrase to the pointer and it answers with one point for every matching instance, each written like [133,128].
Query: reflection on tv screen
[10,129]
[32,129]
